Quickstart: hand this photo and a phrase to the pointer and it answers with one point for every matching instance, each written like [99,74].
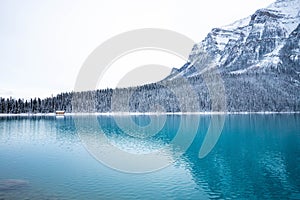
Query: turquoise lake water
[256,157]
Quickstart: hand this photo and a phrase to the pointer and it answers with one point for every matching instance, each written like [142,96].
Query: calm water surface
[256,157]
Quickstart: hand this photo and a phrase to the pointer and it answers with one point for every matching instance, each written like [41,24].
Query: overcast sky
[44,43]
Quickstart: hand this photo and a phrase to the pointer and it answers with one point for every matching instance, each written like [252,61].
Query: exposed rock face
[254,43]
[290,53]
[258,58]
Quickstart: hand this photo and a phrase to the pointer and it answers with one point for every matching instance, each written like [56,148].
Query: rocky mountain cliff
[258,58]
[266,41]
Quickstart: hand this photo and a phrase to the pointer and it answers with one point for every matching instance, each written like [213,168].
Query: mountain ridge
[258,58]
[258,37]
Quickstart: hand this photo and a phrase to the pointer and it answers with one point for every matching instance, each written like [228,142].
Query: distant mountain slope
[254,44]
[258,58]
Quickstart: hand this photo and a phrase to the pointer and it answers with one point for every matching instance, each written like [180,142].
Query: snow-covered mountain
[256,44]
[258,58]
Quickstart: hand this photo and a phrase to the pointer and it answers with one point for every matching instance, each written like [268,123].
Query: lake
[255,156]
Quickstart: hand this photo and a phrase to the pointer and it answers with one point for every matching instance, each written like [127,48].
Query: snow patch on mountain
[251,44]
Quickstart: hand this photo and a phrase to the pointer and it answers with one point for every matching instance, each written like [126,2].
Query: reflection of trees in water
[39,129]
[257,156]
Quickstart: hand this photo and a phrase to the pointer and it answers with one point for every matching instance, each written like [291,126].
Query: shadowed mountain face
[258,58]
[267,41]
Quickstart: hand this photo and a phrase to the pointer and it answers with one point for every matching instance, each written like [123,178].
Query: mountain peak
[258,58]
[252,44]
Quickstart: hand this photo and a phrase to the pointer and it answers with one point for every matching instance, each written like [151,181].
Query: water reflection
[124,146]
[39,129]
[256,156]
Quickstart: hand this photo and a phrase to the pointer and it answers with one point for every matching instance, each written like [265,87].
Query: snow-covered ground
[146,113]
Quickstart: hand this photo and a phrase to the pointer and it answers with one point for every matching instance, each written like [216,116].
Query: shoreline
[146,113]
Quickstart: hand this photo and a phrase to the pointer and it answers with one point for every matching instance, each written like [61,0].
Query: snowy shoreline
[146,113]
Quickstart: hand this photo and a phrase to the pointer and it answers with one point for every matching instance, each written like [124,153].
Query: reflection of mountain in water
[255,157]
